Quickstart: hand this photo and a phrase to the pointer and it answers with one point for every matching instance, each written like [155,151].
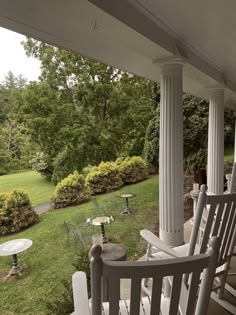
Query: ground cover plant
[104,178]
[229,155]
[16,212]
[133,169]
[72,190]
[38,188]
[50,260]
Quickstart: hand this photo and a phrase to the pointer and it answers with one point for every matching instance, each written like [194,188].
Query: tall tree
[83,112]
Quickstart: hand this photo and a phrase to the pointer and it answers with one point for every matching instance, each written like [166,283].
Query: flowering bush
[72,190]
[104,177]
[132,169]
[16,212]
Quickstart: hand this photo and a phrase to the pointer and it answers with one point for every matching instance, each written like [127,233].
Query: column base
[172,238]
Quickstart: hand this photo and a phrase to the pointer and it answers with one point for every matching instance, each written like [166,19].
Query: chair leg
[222,279]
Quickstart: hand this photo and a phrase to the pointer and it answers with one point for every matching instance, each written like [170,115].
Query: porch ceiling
[133,33]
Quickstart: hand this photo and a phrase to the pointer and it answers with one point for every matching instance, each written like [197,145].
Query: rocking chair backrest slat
[229,237]
[219,214]
[135,295]
[192,292]
[225,232]
[220,222]
[174,269]
[114,296]
[225,220]
[208,228]
[197,221]
[175,293]
[156,294]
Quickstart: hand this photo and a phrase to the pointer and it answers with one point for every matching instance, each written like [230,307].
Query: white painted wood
[136,271]
[80,294]
[131,35]
[151,239]
[171,152]
[215,216]
[215,162]
[235,142]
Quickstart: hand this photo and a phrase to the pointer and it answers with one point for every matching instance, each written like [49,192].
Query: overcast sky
[13,58]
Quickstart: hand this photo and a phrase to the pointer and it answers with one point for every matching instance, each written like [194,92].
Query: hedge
[104,177]
[16,212]
[133,169]
[72,190]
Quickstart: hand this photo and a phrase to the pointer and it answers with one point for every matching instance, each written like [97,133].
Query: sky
[13,57]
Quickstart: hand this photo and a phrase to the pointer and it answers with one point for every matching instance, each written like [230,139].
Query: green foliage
[64,304]
[5,160]
[104,177]
[13,134]
[39,163]
[72,190]
[50,258]
[66,162]
[82,112]
[151,145]
[133,169]
[16,212]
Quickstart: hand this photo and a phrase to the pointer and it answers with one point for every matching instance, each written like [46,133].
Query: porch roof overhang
[132,34]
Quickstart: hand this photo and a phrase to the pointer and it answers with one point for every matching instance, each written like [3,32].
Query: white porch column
[215,162]
[235,142]
[171,152]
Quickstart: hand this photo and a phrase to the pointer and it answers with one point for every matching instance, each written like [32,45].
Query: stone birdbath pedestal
[12,248]
[126,197]
[101,220]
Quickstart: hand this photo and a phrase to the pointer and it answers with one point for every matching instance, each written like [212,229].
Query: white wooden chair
[182,299]
[220,220]
[232,189]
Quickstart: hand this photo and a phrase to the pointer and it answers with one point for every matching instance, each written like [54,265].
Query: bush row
[16,212]
[105,177]
[72,190]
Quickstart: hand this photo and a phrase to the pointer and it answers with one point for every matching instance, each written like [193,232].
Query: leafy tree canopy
[83,112]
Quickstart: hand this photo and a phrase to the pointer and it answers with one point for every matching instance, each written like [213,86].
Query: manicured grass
[50,258]
[229,155]
[32,182]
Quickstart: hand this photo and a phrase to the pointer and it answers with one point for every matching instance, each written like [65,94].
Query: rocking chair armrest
[80,293]
[152,239]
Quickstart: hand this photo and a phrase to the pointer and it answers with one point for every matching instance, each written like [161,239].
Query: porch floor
[214,308]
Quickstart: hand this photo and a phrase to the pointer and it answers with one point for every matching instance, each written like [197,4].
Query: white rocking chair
[182,301]
[220,221]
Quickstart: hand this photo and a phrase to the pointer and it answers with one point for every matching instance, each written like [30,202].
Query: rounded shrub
[133,169]
[104,177]
[72,190]
[16,212]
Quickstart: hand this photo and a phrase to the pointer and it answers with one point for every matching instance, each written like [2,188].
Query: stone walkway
[44,207]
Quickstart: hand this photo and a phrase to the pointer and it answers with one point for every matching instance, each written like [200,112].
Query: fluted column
[171,152]
[235,141]
[215,163]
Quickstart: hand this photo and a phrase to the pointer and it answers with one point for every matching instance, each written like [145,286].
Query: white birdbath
[12,248]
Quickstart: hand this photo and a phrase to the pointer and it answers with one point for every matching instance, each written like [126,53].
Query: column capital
[216,90]
[169,61]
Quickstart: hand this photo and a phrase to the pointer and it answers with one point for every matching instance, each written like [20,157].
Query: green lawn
[229,155]
[32,182]
[50,258]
